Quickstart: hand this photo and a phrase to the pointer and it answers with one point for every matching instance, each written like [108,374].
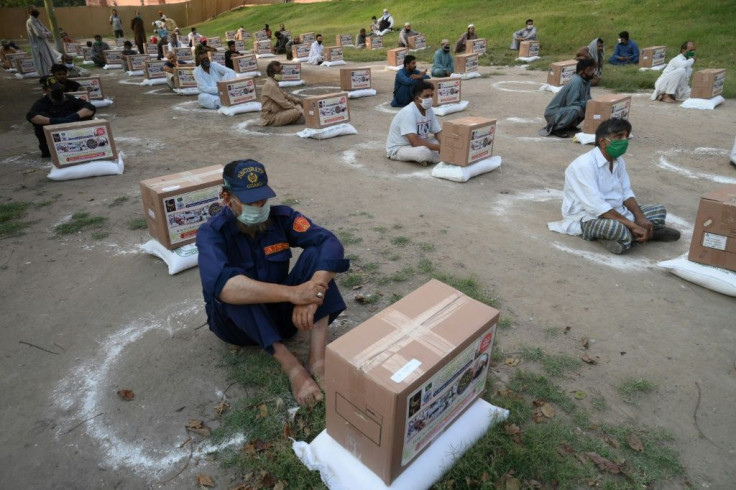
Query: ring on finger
[320,295]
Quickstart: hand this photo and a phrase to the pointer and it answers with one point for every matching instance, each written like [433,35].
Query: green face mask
[616,148]
[689,54]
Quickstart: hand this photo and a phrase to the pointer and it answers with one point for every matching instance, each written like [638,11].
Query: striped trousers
[610,229]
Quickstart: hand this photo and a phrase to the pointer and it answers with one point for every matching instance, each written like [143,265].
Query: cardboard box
[261,35]
[333,53]
[397,381]
[25,65]
[93,85]
[151,49]
[467,140]
[12,57]
[87,53]
[714,236]
[604,108]
[395,57]
[418,42]
[184,55]
[240,91]
[176,205]
[373,42]
[80,142]
[82,94]
[308,38]
[446,90]
[214,42]
[217,57]
[230,35]
[527,49]
[466,63]
[322,111]
[344,40]
[477,46]
[113,57]
[355,78]
[561,72]
[134,62]
[184,77]
[653,56]
[244,64]
[240,44]
[300,50]
[708,83]
[291,72]
[72,48]
[262,47]
[154,69]
[120,42]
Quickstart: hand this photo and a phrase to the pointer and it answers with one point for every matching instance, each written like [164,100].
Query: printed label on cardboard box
[471,63]
[448,91]
[308,38]
[217,57]
[15,56]
[120,42]
[241,91]
[334,53]
[214,42]
[262,47]
[24,65]
[360,79]
[184,77]
[374,42]
[481,143]
[658,56]
[240,45]
[184,54]
[566,74]
[433,406]
[478,46]
[230,35]
[400,58]
[418,42]
[152,48]
[79,145]
[333,110]
[261,35]
[345,39]
[135,61]
[291,72]
[87,53]
[621,109]
[154,69]
[302,50]
[533,49]
[718,84]
[113,57]
[186,212]
[71,48]
[245,64]
[93,87]
[718,242]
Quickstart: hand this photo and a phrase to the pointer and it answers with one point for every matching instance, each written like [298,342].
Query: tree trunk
[49,4]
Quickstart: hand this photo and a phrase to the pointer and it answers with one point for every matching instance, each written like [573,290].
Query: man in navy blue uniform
[251,297]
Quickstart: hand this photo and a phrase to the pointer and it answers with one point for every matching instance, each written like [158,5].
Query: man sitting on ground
[251,297]
[567,108]
[281,41]
[7,48]
[98,51]
[405,34]
[171,63]
[385,23]
[59,72]
[207,74]
[231,51]
[469,35]
[672,84]
[443,64]
[626,51]
[73,71]
[408,136]
[360,39]
[405,80]
[128,49]
[529,33]
[278,107]
[315,51]
[598,203]
[55,107]
[594,51]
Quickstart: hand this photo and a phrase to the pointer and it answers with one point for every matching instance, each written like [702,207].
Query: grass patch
[118,201]
[505,322]
[400,240]
[80,222]
[11,218]
[426,247]
[402,275]
[99,235]
[137,224]
[380,229]
[394,257]
[351,280]
[290,201]
[347,237]
[628,78]
[599,403]
[467,285]
[554,365]
[632,389]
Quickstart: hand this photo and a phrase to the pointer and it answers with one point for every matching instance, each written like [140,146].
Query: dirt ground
[112,318]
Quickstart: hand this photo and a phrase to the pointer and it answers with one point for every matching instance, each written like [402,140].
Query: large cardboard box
[291,72]
[326,110]
[25,65]
[12,57]
[398,380]
[113,57]
[261,35]
[245,64]
[262,47]
[87,53]
[714,237]
[176,205]
[395,57]
[300,50]
[604,108]
[214,42]
[561,72]
[333,53]
[355,78]
[93,85]
[230,35]
[467,140]
[652,56]
[184,55]
[239,91]
[344,40]
[72,48]
[134,62]
[154,69]
[308,38]
[466,63]
[217,57]
[184,77]
[151,49]
[240,44]
[374,42]
[477,46]
[80,142]
[446,90]
[527,49]
[708,83]
[418,42]
[120,42]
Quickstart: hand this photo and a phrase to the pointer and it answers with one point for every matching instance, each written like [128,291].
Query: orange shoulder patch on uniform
[276,247]
[301,224]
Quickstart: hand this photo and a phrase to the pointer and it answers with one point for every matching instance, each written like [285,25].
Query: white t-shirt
[410,121]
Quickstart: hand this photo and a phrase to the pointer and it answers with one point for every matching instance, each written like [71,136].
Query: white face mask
[253,215]
[619,40]
[529,27]
[427,103]
[69,65]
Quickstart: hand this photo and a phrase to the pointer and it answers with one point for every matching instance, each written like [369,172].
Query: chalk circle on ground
[243,128]
[721,156]
[319,90]
[192,106]
[387,107]
[502,85]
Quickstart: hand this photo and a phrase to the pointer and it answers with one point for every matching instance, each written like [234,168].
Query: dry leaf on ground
[126,395]
[584,342]
[361,299]
[280,485]
[355,288]
[222,407]
[198,427]
[507,482]
[262,411]
[512,361]
[567,329]
[204,481]
[635,443]
[548,410]
[603,463]
[287,432]
[612,442]
[587,359]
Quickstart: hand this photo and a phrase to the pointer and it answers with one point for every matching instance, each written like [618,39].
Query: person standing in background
[38,37]
[117,24]
[139,31]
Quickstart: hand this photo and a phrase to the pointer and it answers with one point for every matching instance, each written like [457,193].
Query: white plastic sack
[333,63]
[250,74]
[713,278]
[112,67]
[101,103]
[366,92]
[704,104]
[11,70]
[135,73]
[340,470]
[446,109]
[91,169]
[733,153]
[240,108]
[21,76]
[326,133]
[465,76]
[291,83]
[528,59]
[187,91]
[154,81]
[88,62]
[654,68]
[267,55]
[392,68]
[456,173]
[179,259]
[549,88]
[584,138]
[300,60]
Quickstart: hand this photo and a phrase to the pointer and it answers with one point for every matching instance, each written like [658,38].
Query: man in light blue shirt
[626,51]
[443,65]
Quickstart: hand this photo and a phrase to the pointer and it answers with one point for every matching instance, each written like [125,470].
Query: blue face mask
[253,215]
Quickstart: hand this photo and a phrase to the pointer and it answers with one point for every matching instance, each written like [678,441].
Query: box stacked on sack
[80,142]
[397,381]
[467,140]
[326,110]
[714,236]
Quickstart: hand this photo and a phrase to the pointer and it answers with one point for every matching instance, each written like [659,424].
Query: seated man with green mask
[598,203]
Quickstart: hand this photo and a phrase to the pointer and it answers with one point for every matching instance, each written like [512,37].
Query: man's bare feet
[317,370]
[305,390]
[668,98]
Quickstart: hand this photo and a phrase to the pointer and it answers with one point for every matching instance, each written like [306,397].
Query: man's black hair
[420,87]
[583,64]
[408,59]
[57,67]
[624,35]
[611,126]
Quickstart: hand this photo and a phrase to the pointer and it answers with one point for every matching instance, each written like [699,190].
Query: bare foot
[669,99]
[317,370]
[306,392]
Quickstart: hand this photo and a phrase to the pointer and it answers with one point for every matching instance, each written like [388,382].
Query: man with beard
[55,107]
[207,74]
[250,296]
[278,107]
[567,108]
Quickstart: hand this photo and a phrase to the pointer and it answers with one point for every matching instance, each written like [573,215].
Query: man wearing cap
[405,34]
[443,64]
[73,71]
[315,51]
[409,134]
[405,80]
[529,33]
[386,23]
[250,296]
[278,107]
[55,107]
[207,74]
[469,35]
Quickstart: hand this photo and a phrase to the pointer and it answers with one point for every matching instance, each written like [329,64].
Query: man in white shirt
[598,203]
[409,137]
[672,84]
[194,37]
[207,74]
[315,51]
[385,23]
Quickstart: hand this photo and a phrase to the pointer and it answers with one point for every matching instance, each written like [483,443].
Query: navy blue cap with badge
[248,182]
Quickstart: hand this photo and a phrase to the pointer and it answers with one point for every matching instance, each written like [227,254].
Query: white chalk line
[550,139]
[148,143]
[621,262]
[499,85]
[693,174]
[157,91]
[317,89]
[386,107]
[242,128]
[350,157]
[522,120]
[504,201]
[185,107]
